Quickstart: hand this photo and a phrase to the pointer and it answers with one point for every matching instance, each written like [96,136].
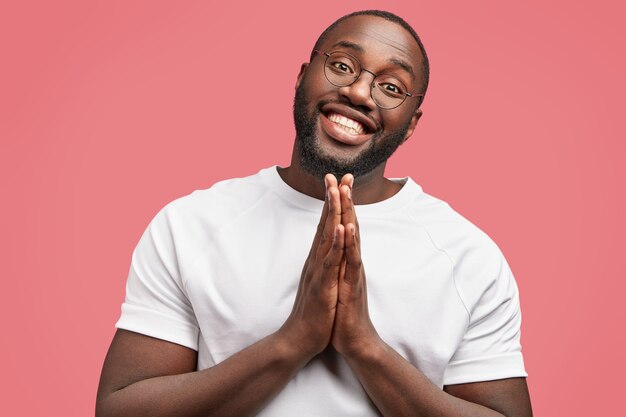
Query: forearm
[399,389]
[239,386]
[245,382]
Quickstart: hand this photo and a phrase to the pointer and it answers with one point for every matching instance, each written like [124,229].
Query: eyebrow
[349,45]
[358,48]
[403,65]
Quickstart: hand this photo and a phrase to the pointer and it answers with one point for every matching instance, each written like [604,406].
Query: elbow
[103,406]
[107,407]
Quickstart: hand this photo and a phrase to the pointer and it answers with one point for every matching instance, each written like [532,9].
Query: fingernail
[351,182]
[349,192]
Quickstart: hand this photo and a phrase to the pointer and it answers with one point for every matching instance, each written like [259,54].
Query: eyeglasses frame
[372,85]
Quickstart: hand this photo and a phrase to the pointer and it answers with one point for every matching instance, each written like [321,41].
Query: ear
[414,119]
[303,68]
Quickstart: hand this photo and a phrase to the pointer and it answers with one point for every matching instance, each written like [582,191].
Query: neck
[369,188]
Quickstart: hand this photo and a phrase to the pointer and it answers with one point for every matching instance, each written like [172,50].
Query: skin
[151,377]
[380,37]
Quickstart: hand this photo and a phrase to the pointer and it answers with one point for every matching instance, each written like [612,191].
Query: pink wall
[109,111]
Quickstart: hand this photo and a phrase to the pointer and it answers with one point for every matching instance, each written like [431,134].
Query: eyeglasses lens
[342,70]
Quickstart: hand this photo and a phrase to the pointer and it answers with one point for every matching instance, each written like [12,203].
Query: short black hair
[387,16]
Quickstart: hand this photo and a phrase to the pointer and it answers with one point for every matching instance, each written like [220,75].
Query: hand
[310,323]
[353,331]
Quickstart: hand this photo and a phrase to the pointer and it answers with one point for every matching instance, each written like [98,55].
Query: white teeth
[349,125]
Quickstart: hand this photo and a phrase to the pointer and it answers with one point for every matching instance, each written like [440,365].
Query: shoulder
[477,260]
[449,230]
[223,200]
[191,222]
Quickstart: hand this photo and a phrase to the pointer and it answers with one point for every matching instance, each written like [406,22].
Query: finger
[348,215]
[348,210]
[333,217]
[318,235]
[348,180]
[354,264]
[346,196]
[329,181]
[322,223]
[334,258]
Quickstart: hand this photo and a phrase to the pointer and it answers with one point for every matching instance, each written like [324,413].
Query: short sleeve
[490,348]
[156,304]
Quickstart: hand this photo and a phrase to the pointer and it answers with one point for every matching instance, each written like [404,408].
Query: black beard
[312,159]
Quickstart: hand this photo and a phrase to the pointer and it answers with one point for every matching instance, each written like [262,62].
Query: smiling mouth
[348,125]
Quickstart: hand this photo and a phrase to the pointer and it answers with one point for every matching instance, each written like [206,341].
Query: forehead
[377,37]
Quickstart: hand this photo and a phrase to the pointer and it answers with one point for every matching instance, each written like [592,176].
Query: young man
[238,305]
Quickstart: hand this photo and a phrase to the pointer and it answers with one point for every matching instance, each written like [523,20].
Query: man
[394,305]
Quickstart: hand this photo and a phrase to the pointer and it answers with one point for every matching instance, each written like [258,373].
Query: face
[340,129]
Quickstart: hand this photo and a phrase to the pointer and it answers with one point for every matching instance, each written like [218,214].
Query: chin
[315,161]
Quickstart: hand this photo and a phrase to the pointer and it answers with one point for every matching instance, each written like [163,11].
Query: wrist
[293,347]
[367,350]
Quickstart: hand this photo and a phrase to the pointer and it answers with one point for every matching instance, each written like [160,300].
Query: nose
[359,93]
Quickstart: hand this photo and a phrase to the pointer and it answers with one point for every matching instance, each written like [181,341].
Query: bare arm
[395,386]
[399,389]
[143,376]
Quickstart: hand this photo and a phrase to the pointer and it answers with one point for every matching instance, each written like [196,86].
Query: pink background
[108,111]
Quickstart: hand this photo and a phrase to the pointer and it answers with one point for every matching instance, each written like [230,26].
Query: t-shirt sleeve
[156,303]
[490,348]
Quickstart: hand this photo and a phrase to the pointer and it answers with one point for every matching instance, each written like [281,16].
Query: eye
[341,67]
[391,89]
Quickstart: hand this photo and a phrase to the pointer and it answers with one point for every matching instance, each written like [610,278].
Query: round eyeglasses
[342,69]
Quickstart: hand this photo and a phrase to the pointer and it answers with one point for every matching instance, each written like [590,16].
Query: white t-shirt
[218,270]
